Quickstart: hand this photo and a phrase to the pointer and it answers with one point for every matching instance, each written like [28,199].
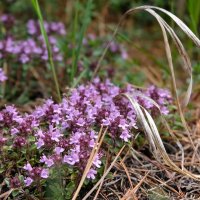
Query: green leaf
[76,53]
[15,193]
[194,11]
[69,189]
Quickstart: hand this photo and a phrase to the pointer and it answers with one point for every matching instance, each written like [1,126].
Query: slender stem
[74,41]
[86,19]
[5,67]
[50,56]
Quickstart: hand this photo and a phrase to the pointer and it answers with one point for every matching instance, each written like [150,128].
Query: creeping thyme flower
[2,76]
[59,150]
[33,28]
[15,182]
[34,47]
[65,133]
[97,161]
[28,167]
[125,135]
[72,158]
[2,141]
[44,173]
[28,181]
[28,50]
[7,20]
[91,174]
[48,161]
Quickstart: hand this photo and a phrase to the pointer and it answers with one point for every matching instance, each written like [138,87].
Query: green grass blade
[75,24]
[194,11]
[86,20]
[50,56]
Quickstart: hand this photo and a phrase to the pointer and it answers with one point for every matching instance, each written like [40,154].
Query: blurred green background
[139,34]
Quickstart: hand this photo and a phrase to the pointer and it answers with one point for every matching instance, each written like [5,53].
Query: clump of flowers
[32,48]
[117,53]
[114,48]
[64,133]
[33,28]
[27,50]
[7,21]
[23,47]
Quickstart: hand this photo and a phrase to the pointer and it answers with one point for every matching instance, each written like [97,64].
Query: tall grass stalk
[153,136]
[50,56]
[75,24]
[93,154]
[194,11]
[76,53]
[105,174]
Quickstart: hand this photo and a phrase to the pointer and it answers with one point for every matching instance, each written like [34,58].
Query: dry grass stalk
[167,29]
[93,154]
[155,140]
[127,173]
[97,193]
[187,65]
[104,175]
[165,123]
[131,192]
[5,195]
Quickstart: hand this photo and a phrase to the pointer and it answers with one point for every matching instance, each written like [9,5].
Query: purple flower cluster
[118,48]
[27,50]
[34,173]
[160,95]
[33,28]
[33,48]
[3,77]
[7,21]
[114,48]
[65,133]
